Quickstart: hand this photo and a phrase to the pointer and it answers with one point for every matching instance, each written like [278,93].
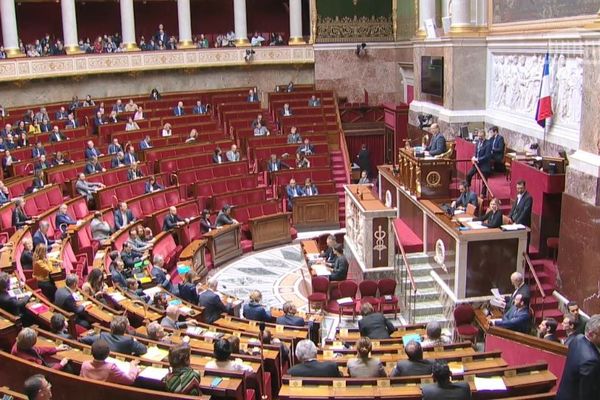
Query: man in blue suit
[117,339]
[292,190]
[497,142]
[178,111]
[146,143]
[114,147]
[481,158]
[309,189]
[199,108]
[41,236]
[123,216]
[63,220]
[466,197]
[437,145]
[517,318]
[211,301]
[130,156]
[91,151]
[38,150]
[290,318]
[161,276]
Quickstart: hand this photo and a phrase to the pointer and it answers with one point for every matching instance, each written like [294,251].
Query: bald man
[171,320]
[437,144]
[172,220]
[518,281]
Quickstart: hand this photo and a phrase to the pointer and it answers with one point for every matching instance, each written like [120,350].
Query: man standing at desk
[437,145]
[481,158]
[520,213]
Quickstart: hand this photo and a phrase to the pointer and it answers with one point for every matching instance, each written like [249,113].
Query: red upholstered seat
[219,187]
[172,197]
[79,208]
[110,179]
[159,202]
[347,289]
[123,192]
[55,196]
[246,246]
[234,185]
[388,302]
[368,294]
[320,286]
[463,319]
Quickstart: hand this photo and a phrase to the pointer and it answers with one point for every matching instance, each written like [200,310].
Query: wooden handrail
[534,274]
[485,182]
[343,144]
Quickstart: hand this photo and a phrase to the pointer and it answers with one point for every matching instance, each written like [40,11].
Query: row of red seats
[219,185]
[242,197]
[263,153]
[216,171]
[67,173]
[160,153]
[109,196]
[291,97]
[185,161]
[243,213]
[315,174]
[239,106]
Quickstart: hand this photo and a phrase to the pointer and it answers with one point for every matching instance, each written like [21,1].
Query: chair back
[387,287]
[368,288]
[320,284]
[463,314]
[348,288]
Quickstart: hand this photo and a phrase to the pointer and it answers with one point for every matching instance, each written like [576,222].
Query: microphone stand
[261,330]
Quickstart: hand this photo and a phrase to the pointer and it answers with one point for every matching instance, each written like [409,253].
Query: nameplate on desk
[375,343]
[339,384]
[328,354]
[467,359]
[509,373]
[438,348]
[87,351]
[383,383]
[426,380]
[252,323]
[243,346]
[295,383]
[278,328]
[237,333]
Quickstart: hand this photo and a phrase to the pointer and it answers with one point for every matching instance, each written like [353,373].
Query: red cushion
[316,297]
[467,330]
[246,246]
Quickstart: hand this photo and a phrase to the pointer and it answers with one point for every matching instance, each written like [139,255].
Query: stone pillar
[9,29]
[241,29]
[461,17]
[69,23]
[296,22]
[128,25]
[426,11]
[184,19]
[313,21]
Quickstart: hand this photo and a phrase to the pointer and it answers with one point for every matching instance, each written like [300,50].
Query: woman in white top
[166,132]
[139,114]
[131,125]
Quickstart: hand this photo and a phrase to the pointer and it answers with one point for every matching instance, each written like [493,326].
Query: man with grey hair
[41,236]
[518,282]
[118,340]
[171,320]
[212,303]
[65,299]
[87,189]
[434,335]
[161,276]
[581,375]
[306,352]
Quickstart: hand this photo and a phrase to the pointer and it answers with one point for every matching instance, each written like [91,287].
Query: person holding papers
[517,280]
[101,370]
[517,318]
[444,388]
[466,197]
[493,218]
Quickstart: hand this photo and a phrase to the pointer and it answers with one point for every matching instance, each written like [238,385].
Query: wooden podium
[425,177]
[316,212]
[224,243]
[270,230]
[369,228]
[194,254]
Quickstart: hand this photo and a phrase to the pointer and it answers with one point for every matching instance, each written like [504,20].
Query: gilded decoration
[353,29]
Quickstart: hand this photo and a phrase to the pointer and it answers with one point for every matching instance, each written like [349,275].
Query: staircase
[339,176]
[546,273]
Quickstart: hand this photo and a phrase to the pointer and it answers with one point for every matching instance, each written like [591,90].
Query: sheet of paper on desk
[194,331]
[464,219]
[117,297]
[185,310]
[155,354]
[122,365]
[321,270]
[513,227]
[475,225]
[458,212]
[456,367]
[156,374]
[152,291]
[494,383]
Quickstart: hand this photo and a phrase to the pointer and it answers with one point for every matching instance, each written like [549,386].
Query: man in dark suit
[466,197]
[118,160]
[518,282]
[146,143]
[252,96]
[114,147]
[123,216]
[547,330]
[437,144]
[56,135]
[364,159]
[415,365]
[224,217]
[309,188]
[61,114]
[481,158]
[130,156]
[91,151]
[520,213]
[275,164]
[93,166]
[98,121]
[308,366]
[289,318]
[443,388]
[116,339]
[374,325]
[497,143]
[38,150]
[211,301]
[580,320]
[581,375]
[41,236]
[292,190]
[63,220]
[8,303]
[65,299]
[306,148]
[161,276]
[179,111]
[199,108]
[71,122]
[172,220]
[517,318]
[161,36]
[339,269]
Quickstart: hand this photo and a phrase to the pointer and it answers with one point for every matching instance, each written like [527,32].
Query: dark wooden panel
[316,212]
[489,265]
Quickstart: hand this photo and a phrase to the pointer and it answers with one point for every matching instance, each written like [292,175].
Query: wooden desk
[224,243]
[425,177]
[316,212]
[194,254]
[270,230]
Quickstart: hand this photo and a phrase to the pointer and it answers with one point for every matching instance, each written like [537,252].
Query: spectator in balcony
[224,217]
[202,42]
[276,40]
[547,330]
[314,102]
[87,189]
[119,107]
[134,172]
[146,143]
[152,186]
[178,110]
[309,188]
[286,111]
[114,147]
[32,52]
[34,128]
[192,137]
[113,118]
[302,161]
[92,151]
[306,148]
[130,156]
[252,96]
[118,160]
[171,44]
[131,125]
[160,46]
[199,108]
[109,45]
[160,35]
[61,114]
[256,40]
[233,154]
[123,216]
[261,130]
[99,228]
[71,122]
[217,157]
[60,159]
[290,87]
[2,53]
[89,102]
[93,166]
[98,47]
[139,114]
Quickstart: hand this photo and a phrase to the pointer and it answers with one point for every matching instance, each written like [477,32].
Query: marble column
[69,23]
[128,25]
[461,17]
[184,19]
[426,11]
[313,21]
[241,29]
[10,35]
[296,22]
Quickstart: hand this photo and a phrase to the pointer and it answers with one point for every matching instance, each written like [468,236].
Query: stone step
[421,282]
[420,319]
[427,294]
[428,308]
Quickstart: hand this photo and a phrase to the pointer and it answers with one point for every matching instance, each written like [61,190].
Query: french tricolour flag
[544,106]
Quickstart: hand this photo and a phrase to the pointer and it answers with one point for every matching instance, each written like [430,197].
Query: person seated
[547,330]
[568,324]
[99,228]
[130,156]
[101,370]
[27,349]
[7,161]
[314,102]
[116,269]
[233,155]
[171,319]
[13,305]
[42,163]
[93,166]
[254,310]
[131,125]
[98,122]
[302,161]
[155,95]
[72,122]
[289,316]
[415,365]
[19,217]
[258,120]
[123,216]
[252,96]
[61,114]
[172,220]
[193,137]
[117,339]
[365,366]
[224,217]
[4,195]
[290,87]
[466,197]
[309,188]
[444,388]
[493,218]
[308,366]
[374,325]
[182,378]
[261,130]
[339,268]
[294,137]
[437,144]
[59,326]
[95,285]
[167,131]
[26,258]
[156,332]
[146,143]
[129,257]
[328,256]
[306,148]
[274,164]
[115,147]
[38,150]
[161,276]
[41,236]
[113,117]
[434,335]
[222,358]
[217,157]
[256,40]
[119,107]
[38,180]
[60,159]
[364,178]
[205,224]
[187,289]
[178,110]
[134,172]
[292,190]
[199,108]
[134,290]
[211,301]
[65,299]
[63,220]
[517,319]
[286,111]
[57,136]
[152,186]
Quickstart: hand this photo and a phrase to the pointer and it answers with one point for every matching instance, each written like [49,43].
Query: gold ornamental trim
[354,29]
